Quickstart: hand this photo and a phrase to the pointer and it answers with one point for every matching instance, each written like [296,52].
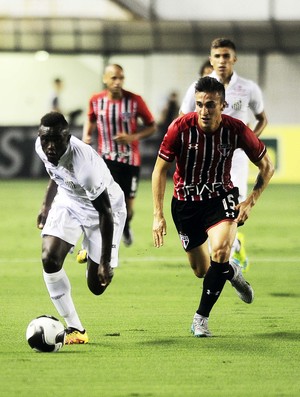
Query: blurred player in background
[168,113]
[88,201]
[56,102]
[55,99]
[205,202]
[241,95]
[116,113]
[206,69]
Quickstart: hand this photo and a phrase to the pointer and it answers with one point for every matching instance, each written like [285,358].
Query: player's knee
[51,262]
[200,273]
[200,269]
[221,254]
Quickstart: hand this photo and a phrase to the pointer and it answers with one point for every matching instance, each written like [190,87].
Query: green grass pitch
[139,330]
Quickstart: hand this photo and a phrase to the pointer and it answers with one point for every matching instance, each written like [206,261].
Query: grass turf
[140,341]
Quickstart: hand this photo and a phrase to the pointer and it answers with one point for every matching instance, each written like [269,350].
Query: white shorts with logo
[69,221]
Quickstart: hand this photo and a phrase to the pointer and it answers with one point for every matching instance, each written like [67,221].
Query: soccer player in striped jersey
[117,113]
[205,202]
[242,95]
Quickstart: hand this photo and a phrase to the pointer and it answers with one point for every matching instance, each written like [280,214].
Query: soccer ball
[45,334]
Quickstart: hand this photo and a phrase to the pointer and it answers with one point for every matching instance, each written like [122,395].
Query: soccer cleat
[81,256]
[199,326]
[127,237]
[243,288]
[240,256]
[76,337]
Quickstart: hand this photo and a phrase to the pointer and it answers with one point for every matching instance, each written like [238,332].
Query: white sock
[59,289]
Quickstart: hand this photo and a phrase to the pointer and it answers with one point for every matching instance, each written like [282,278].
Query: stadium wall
[282,142]
[19,160]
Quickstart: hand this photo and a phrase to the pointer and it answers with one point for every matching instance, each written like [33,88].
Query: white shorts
[69,222]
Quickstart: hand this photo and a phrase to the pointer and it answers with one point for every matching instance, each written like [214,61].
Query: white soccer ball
[45,334]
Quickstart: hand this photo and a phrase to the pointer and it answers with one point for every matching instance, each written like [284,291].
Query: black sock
[213,284]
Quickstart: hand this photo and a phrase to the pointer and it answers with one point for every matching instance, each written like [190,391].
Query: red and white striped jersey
[203,160]
[118,115]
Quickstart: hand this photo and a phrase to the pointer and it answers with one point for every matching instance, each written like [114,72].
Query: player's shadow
[280,335]
[285,295]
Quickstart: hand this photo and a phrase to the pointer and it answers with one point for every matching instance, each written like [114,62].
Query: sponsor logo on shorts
[230,214]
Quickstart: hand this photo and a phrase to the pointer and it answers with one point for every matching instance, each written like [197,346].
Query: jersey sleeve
[91,113]
[256,103]
[170,143]
[188,104]
[143,111]
[251,144]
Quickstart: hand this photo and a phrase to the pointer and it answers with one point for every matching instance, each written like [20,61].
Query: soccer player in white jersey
[81,198]
[241,95]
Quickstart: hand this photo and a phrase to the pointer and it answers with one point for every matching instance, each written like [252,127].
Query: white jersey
[240,94]
[81,176]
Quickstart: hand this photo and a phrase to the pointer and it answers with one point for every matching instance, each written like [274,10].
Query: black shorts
[127,176]
[193,218]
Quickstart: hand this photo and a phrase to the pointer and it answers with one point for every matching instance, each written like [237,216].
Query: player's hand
[41,219]
[105,274]
[124,138]
[159,230]
[87,139]
[243,209]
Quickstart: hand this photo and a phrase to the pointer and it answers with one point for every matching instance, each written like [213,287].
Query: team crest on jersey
[126,116]
[237,105]
[224,149]
[184,240]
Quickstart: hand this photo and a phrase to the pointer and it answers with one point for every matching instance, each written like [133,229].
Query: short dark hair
[204,65]
[223,42]
[54,119]
[210,84]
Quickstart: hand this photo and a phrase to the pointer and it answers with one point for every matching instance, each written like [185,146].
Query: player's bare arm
[266,171]
[49,197]
[262,121]
[159,180]
[88,129]
[102,205]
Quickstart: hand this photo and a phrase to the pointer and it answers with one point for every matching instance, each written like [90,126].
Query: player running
[82,197]
[205,202]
